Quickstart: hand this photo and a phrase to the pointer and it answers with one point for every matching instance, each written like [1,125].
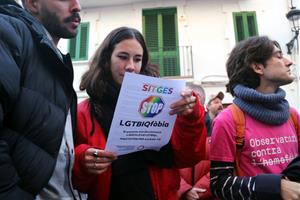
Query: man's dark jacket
[35,95]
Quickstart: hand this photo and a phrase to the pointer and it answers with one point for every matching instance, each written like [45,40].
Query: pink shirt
[267,149]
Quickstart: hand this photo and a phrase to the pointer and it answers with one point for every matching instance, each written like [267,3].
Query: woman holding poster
[146,174]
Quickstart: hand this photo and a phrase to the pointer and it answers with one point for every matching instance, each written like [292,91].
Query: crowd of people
[53,148]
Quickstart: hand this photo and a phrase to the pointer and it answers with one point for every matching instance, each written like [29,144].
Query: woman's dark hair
[98,77]
[95,80]
[252,50]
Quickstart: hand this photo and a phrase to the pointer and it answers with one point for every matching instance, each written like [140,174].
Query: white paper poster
[141,119]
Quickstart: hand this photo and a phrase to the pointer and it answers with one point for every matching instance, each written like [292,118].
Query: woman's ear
[257,68]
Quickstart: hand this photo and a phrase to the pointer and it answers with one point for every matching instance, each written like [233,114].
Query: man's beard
[51,22]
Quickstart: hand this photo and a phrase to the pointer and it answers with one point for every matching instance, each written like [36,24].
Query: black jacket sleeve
[10,61]
[9,179]
[225,185]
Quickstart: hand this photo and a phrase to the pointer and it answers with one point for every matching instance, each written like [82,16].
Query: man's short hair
[212,97]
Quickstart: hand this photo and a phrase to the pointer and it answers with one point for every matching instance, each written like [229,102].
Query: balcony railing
[174,62]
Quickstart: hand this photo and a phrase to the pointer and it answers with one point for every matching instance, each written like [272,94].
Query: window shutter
[169,45]
[251,25]
[72,47]
[83,41]
[245,25]
[169,38]
[240,28]
[151,32]
[78,46]
[161,38]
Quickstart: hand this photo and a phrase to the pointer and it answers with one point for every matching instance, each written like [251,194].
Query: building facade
[189,39]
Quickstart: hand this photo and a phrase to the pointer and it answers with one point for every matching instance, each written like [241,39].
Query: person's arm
[290,190]
[9,188]
[189,137]
[187,144]
[82,180]
[185,182]
[204,184]
[202,172]
[199,191]
[10,58]
[201,187]
[91,161]
[225,185]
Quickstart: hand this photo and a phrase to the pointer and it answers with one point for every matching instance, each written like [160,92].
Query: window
[78,46]
[245,25]
[160,31]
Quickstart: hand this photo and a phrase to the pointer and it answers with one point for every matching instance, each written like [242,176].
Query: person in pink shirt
[256,69]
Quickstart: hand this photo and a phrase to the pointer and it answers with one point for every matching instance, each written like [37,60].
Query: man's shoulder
[226,114]
[16,35]
[18,18]
[9,2]
[294,110]
[11,12]
[12,25]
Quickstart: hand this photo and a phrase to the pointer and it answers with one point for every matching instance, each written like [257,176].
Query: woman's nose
[130,66]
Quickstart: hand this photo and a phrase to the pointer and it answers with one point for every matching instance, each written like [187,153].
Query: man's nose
[75,6]
[288,62]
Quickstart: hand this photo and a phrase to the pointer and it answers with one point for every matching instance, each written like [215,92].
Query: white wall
[206,25]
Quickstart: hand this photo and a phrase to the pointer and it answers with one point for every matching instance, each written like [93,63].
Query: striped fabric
[225,185]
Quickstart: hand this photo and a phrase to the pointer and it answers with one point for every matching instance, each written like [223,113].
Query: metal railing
[174,62]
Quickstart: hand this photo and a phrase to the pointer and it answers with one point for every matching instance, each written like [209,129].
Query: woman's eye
[122,57]
[138,60]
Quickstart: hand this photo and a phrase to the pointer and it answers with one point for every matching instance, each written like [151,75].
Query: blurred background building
[189,39]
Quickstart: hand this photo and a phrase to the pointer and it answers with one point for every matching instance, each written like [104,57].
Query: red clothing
[201,176]
[188,144]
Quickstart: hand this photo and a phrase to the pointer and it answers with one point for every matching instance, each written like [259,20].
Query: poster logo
[151,106]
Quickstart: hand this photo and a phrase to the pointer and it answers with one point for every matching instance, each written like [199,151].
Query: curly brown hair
[256,49]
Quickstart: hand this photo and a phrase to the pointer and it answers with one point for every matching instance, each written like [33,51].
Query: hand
[97,161]
[193,194]
[185,105]
[290,190]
